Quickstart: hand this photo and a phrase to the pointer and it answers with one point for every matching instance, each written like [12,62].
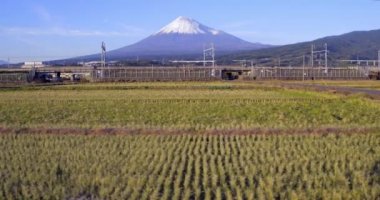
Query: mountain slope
[358,44]
[182,37]
[2,62]
[179,44]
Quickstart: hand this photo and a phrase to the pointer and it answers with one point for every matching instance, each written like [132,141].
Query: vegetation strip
[257,100]
[146,131]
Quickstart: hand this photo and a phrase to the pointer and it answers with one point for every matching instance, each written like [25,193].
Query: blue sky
[51,29]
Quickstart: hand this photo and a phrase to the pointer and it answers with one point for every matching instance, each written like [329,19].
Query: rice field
[214,153]
[190,167]
[182,106]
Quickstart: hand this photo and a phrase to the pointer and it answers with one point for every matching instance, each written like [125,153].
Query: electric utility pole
[326,66]
[303,68]
[312,55]
[378,59]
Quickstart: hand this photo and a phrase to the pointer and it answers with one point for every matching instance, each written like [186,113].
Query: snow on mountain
[184,25]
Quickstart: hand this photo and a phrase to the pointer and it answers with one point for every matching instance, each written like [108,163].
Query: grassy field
[190,167]
[196,106]
[215,153]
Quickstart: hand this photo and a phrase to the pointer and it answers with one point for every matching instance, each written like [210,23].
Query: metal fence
[17,78]
[309,73]
[116,74]
[155,74]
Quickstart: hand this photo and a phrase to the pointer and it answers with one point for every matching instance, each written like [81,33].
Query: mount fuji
[182,37]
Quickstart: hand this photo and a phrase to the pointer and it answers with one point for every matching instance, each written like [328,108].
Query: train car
[374,74]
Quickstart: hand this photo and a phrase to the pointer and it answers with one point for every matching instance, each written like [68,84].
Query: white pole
[213,55]
[378,59]
[252,71]
[204,56]
[101,55]
[326,66]
[312,55]
[303,68]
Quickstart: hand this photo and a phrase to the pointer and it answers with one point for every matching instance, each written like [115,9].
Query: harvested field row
[256,100]
[162,94]
[184,115]
[231,132]
[190,167]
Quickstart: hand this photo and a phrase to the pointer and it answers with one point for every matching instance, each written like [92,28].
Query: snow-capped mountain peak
[184,25]
[183,37]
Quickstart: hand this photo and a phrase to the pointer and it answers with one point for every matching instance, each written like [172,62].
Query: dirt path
[340,89]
